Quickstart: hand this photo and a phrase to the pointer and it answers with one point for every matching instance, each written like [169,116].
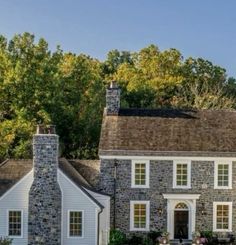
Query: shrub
[117,237]
[135,240]
[5,241]
[153,236]
[207,234]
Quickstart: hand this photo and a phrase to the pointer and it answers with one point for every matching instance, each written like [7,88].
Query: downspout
[98,226]
[114,193]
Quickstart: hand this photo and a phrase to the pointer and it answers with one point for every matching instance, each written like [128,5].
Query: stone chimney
[112,99]
[44,222]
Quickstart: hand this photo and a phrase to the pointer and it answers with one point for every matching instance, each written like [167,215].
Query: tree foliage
[68,90]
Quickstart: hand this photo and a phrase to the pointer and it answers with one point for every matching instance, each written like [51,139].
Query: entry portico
[181,214]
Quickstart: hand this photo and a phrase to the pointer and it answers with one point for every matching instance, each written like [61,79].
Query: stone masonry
[113,99]
[44,220]
[161,181]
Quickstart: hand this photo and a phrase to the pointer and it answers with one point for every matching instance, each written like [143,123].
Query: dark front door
[181,224]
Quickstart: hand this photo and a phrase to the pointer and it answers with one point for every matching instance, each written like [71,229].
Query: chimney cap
[113,85]
[46,129]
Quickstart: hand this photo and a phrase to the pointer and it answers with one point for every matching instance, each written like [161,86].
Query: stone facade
[45,194]
[113,99]
[161,181]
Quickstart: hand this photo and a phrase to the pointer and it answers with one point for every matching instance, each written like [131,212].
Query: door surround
[172,201]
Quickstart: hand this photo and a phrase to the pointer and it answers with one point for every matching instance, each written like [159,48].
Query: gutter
[114,193]
[98,226]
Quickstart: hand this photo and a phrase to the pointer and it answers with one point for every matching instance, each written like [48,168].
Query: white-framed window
[223,175]
[15,223]
[182,174]
[140,174]
[75,223]
[139,215]
[222,216]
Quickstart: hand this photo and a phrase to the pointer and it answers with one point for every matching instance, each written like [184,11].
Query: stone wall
[161,181]
[45,194]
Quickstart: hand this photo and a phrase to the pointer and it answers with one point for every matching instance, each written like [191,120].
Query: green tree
[204,86]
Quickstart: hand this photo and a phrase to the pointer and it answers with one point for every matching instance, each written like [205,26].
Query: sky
[197,28]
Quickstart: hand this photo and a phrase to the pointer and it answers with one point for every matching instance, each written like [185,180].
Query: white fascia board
[170,158]
[17,183]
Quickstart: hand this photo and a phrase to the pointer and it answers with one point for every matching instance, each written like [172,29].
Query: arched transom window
[181,206]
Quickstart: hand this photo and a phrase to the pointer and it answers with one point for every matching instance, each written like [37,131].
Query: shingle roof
[90,170]
[12,170]
[169,131]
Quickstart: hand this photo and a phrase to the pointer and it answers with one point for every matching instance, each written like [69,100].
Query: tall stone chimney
[112,99]
[44,222]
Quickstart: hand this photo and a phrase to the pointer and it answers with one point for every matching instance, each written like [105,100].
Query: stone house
[172,170]
[159,169]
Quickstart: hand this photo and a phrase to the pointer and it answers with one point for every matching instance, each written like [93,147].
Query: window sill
[141,229]
[182,187]
[222,188]
[140,186]
[222,230]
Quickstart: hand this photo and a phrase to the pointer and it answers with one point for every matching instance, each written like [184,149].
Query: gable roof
[12,170]
[166,130]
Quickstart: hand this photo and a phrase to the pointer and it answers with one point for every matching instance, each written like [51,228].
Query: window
[15,223]
[223,175]
[75,223]
[139,215]
[140,174]
[222,215]
[182,174]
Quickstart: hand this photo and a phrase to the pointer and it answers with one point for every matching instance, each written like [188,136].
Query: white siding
[73,198]
[104,217]
[16,198]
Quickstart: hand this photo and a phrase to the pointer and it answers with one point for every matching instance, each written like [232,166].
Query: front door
[181,224]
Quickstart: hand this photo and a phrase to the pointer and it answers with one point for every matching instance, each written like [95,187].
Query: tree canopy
[68,90]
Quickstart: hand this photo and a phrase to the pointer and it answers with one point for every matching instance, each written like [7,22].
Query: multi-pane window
[181,175]
[140,174]
[139,215]
[222,216]
[223,175]
[75,223]
[15,223]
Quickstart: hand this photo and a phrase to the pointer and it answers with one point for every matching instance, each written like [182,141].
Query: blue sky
[198,28]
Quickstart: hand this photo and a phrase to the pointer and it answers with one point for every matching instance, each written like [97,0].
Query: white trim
[16,184]
[68,224]
[79,189]
[62,207]
[230,204]
[223,162]
[172,201]
[181,196]
[193,158]
[175,163]
[96,226]
[22,232]
[147,203]
[147,173]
